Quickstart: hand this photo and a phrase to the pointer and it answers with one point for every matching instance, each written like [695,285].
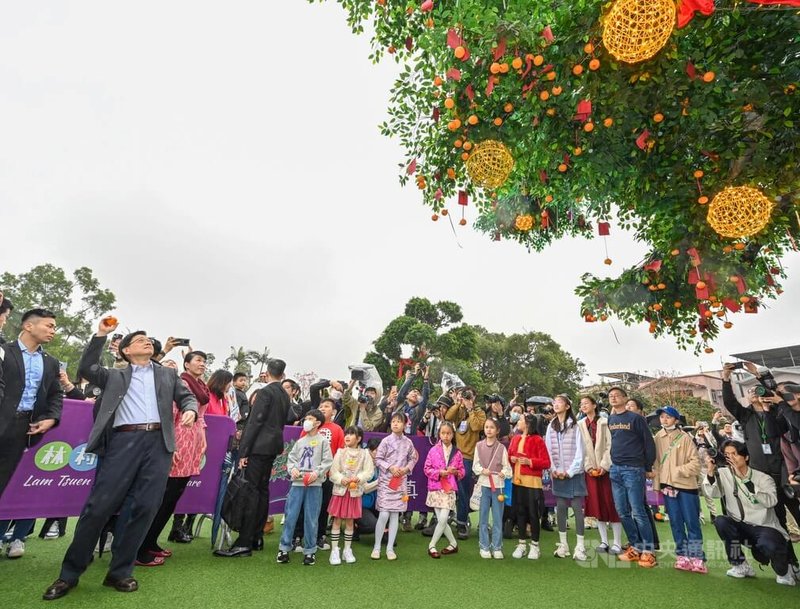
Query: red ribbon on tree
[603,229]
[655,266]
[641,141]
[731,305]
[462,197]
[583,111]
[687,9]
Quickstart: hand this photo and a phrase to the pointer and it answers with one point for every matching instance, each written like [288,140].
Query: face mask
[668,427]
[514,417]
[308,425]
[335,395]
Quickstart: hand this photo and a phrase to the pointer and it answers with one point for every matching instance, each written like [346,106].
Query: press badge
[462,427]
[766,449]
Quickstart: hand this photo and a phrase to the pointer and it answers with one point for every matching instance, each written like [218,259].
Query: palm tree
[259,359]
[239,360]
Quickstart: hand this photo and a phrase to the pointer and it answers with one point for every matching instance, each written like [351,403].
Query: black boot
[178,534]
[189,526]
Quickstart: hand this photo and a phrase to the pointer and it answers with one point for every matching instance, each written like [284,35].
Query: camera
[358,374]
[736,365]
[767,385]
[714,453]
[521,390]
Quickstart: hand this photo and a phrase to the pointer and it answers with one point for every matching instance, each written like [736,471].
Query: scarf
[197,387]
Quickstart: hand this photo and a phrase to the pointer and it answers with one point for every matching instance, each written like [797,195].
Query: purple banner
[55,476]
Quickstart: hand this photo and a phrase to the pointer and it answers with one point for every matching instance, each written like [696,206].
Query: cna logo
[58,455]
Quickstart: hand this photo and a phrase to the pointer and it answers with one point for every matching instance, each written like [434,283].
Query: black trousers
[526,502]
[172,494]
[257,472]
[135,471]
[13,442]
[766,543]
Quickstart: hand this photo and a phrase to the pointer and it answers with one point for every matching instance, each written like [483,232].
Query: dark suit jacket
[49,399]
[263,432]
[115,384]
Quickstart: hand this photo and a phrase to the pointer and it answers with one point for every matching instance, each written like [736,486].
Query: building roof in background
[627,377]
[780,357]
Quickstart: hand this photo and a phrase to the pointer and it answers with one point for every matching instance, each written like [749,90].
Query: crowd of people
[486,456]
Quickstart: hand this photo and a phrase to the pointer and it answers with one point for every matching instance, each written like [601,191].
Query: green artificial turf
[194,578]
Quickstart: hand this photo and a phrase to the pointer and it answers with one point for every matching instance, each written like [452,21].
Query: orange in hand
[110,321]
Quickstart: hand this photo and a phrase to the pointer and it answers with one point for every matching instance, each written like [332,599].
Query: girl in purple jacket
[444,467]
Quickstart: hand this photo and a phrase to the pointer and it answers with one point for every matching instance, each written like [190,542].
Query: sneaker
[421,524]
[615,550]
[282,558]
[485,554]
[561,551]
[534,552]
[602,548]
[786,580]
[335,558]
[795,571]
[498,554]
[630,555]
[348,556]
[699,566]
[579,553]
[376,555]
[684,563]
[462,531]
[52,532]
[390,555]
[16,549]
[309,560]
[322,544]
[519,551]
[647,560]
[741,571]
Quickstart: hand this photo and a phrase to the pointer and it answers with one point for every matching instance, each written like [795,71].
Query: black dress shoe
[258,544]
[179,535]
[57,589]
[126,584]
[234,552]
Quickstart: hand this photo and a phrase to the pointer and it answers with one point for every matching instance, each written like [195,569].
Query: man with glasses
[134,435]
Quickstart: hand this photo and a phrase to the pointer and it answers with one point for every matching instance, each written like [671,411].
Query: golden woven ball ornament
[490,164]
[524,222]
[635,30]
[739,211]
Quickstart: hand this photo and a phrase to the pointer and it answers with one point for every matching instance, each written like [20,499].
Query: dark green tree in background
[78,301]
[490,362]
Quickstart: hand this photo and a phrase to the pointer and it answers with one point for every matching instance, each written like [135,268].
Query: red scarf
[197,387]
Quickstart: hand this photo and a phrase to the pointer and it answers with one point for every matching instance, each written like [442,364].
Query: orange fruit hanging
[709,76]
[562,167]
[557,90]
[698,173]
[538,60]
[516,63]
[577,70]
[449,103]
[437,82]
[495,68]
[459,52]
[550,75]
[608,122]
[509,107]
[588,48]
[658,117]
[594,64]
[472,120]
[498,121]
[577,151]
[588,127]
[544,95]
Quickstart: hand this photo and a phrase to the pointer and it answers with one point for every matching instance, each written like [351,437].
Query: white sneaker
[348,556]
[579,553]
[376,555]
[107,547]
[390,555]
[16,549]
[741,571]
[52,532]
[786,580]
[485,554]
[498,554]
[335,559]
[561,551]
[519,551]
[534,552]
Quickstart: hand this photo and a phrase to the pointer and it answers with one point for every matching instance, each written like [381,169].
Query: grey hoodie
[310,454]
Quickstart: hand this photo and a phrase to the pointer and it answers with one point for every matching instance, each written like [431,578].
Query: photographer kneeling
[749,497]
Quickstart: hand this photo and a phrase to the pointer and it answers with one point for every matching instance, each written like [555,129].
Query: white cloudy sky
[219,166]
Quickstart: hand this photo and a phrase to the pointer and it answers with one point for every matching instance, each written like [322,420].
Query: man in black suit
[261,443]
[30,400]
[134,433]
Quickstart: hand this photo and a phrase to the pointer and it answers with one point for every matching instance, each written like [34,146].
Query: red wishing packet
[446,486]
[395,482]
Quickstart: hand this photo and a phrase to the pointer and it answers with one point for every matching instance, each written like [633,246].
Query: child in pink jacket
[444,467]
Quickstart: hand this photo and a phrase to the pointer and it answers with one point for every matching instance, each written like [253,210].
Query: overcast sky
[220,168]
